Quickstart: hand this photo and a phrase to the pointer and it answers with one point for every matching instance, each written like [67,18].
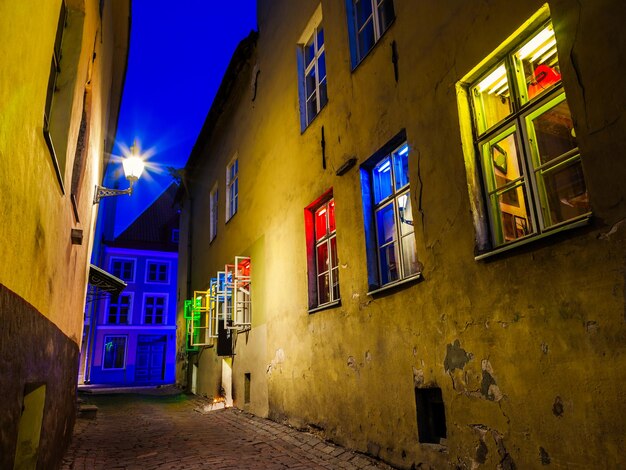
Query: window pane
[335,282]
[554,133]
[539,62]
[382,180]
[311,108]
[310,83]
[409,255]
[333,252]
[564,192]
[309,52]
[320,222]
[320,37]
[366,39]
[385,14]
[503,159]
[401,166]
[388,265]
[321,67]
[323,94]
[491,98]
[323,288]
[405,213]
[363,10]
[386,226]
[514,218]
[322,258]
[331,215]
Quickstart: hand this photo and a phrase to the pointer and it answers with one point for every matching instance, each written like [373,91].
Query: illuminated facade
[130,338]
[63,68]
[431,198]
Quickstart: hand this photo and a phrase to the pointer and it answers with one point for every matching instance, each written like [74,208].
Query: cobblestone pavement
[176,432]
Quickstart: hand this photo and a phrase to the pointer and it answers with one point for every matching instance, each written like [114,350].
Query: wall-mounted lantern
[133,167]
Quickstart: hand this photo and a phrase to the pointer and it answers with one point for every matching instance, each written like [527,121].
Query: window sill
[330,305]
[404,282]
[586,220]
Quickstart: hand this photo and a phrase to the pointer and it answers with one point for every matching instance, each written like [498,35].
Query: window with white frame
[232,188]
[155,309]
[213,204]
[525,140]
[123,268]
[114,352]
[323,264]
[312,70]
[367,21]
[387,207]
[157,272]
[119,310]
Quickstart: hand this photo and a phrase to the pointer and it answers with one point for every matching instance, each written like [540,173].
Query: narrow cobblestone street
[135,431]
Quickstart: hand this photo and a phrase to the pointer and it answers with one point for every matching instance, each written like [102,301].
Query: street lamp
[133,167]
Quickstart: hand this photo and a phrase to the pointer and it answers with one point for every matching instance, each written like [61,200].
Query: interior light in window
[492,78]
[531,47]
[404,150]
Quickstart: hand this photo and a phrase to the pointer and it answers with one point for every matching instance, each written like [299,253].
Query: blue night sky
[179,52]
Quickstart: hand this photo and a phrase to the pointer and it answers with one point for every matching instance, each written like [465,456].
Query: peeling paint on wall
[456,357]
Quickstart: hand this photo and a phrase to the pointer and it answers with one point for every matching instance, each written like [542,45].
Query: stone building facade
[63,67]
[431,198]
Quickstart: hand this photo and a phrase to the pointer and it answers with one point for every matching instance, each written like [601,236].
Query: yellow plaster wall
[39,262]
[545,322]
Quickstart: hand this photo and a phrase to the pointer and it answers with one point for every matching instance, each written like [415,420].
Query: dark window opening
[431,416]
[246,392]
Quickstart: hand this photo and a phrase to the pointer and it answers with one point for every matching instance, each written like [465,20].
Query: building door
[150,362]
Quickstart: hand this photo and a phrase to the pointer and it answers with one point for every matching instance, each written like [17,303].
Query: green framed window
[526,141]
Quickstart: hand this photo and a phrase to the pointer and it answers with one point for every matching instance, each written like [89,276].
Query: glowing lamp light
[133,168]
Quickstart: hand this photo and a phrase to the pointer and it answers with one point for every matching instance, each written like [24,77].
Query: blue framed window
[155,309]
[367,22]
[389,229]
[114,354]
[119,309]
[157,271]
[312,70]
[123,269]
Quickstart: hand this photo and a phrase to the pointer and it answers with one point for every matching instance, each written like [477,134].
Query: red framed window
[323,263]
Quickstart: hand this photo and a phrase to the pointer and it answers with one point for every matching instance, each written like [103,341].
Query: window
[367,22]
[323,263]
[312,70]
[123,269]
[232,188]
[114,354]
[431,415]
[55,70]
[526,142]
[118,312]
[157,271]
[213,200]
[155,309]
[389,221]
[175,235]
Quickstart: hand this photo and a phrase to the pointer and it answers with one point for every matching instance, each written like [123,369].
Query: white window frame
[232,188]
[124,260]
[104,343]
[154,295]
[306,95]
[109,303]
[213,212]
[517,123]
[157,262]
[333,272]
